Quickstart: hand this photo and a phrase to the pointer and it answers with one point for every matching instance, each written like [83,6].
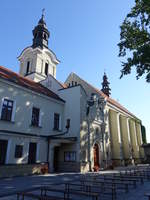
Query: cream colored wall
[115,146]
[134,139]
[139,139]
[124,136]
[116,127]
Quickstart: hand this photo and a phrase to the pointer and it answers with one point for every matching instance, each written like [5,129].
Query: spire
[41,33]
[105,85]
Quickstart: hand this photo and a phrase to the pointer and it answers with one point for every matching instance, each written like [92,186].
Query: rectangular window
[28,67]
[7,108]
[18,151]
[56,121]
[35,116]
[46,69]
[70,156]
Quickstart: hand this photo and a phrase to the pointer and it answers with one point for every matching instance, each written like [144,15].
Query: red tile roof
[27,83]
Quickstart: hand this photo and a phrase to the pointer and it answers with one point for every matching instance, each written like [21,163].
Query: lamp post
[101,105]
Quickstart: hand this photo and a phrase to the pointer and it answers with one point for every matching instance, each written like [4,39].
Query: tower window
[46,69]
[44,36]
[28,67]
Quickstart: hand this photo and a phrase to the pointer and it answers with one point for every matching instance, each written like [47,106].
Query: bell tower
[41,34]
[105,86]
[38,61]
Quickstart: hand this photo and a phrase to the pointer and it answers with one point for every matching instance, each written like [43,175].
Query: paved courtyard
[9,186]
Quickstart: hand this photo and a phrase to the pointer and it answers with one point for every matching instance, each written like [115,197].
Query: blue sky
[84,36]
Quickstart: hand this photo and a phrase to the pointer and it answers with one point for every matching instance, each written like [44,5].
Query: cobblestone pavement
[9,186]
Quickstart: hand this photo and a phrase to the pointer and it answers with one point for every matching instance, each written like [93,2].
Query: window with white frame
[7,110]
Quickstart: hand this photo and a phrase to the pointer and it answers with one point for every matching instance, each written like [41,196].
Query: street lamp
[101,105]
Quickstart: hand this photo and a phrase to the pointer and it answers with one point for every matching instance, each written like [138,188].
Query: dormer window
[28,67]
[46,68]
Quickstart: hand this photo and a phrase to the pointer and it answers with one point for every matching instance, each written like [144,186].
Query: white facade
[36,59]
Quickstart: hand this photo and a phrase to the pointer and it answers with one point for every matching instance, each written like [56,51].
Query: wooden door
[32,153]
[96,157]
[3,151]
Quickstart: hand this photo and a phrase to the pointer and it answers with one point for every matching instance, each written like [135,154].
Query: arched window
[46,68]
[28,67]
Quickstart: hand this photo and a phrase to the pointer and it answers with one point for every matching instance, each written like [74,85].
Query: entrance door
[32,153]
[56,154]
[96,157]
[3,151]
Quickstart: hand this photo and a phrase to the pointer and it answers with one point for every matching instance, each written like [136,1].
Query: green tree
[134,43]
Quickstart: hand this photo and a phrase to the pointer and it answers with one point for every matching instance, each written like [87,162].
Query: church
[71,126]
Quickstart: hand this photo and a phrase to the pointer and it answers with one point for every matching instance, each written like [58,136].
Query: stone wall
[23,169]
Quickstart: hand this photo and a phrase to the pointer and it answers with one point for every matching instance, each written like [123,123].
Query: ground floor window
[70,156]
[18,151]
[3,151]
